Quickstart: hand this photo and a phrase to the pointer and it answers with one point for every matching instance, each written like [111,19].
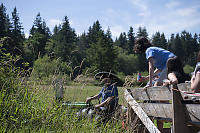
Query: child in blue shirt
[157,57]
[109,95]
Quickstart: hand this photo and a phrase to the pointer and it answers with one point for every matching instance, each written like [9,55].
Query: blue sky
[165,16]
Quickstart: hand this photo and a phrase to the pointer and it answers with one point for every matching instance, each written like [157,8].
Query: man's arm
[92,98]
[106,102]
[151,72]
[172,78]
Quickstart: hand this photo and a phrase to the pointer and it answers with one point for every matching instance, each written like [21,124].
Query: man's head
[106,81]
[141,44]
[106,78]
[174,65]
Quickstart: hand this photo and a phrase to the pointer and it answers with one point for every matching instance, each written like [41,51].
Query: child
[195,80]
[157,57]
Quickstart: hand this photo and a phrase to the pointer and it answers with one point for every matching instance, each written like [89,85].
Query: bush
[188,69]
[128,63]
[45,67]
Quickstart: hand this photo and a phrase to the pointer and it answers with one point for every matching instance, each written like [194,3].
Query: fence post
[180,113]
[58,87]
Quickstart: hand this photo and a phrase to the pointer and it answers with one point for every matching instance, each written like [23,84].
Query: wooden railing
[163,104]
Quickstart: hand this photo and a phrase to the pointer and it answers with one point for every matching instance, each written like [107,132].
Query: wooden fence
[163,104]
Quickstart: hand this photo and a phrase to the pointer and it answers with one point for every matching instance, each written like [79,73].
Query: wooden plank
[157,93]
[164,110]
[194,112]
[184,87]
[152,93]
[180,113]
[140,113]
[157,109]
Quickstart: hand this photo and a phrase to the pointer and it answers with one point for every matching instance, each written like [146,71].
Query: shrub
[188,69]
[45,67]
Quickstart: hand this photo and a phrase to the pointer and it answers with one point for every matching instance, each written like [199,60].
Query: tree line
[63,51]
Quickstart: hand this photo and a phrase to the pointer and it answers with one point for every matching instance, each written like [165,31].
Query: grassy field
[64,119]
[79,93]
[32,108]
[73,93]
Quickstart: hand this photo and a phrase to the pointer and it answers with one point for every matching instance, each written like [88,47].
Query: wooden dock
[176,104]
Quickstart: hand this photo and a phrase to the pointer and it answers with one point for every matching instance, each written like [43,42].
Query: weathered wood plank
[152,93]
[180,113]
[184,87]
[141,114]
[164,110]
[160,93]
[157,109]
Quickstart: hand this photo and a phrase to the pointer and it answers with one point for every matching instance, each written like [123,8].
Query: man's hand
[97,106]
[147,86]
[166,82]
[88,99]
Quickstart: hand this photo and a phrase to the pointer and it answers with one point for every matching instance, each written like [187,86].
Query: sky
[164,16]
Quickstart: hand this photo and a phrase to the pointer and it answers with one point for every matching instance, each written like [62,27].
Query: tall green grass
[27,106]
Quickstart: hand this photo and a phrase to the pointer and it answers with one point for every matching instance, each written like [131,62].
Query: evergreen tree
[170,42]
[4,22]
[163,41]
[142,32]
[94,33]
[35,45]
[101,53]
[176,47]
[156,39]
[17,33]
[143,65]
[190,46]
[65,41]
[131,40]
[159,40]
[32,47]
[122,41]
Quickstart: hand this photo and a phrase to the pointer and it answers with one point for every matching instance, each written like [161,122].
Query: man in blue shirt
[157,57]
[109,95]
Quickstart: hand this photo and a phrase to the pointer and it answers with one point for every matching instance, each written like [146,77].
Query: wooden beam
[164,110]
[180,114]
[140,113]
[157,93]
[152,93]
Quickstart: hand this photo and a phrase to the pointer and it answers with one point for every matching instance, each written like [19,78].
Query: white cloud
[186,12]
[142,7]
[26,35]
[140,4]
[53,22]
[172,4]
[116,30]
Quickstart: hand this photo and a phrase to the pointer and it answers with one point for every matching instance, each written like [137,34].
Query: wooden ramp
[175,104]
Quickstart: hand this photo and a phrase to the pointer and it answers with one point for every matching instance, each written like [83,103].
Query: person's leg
[162,76]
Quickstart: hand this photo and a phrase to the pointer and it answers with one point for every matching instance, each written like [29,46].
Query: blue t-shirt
[159,55]
[108,92]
